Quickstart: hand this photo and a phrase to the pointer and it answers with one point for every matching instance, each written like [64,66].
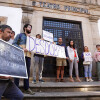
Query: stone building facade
[69,19]
[3,20]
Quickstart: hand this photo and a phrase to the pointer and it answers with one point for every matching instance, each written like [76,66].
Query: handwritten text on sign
[48,36]
[45,48]
[12,61]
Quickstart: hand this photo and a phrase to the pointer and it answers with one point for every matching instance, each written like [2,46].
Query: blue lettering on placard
[51,49]
[38,46]
[33,43]
[47,47]
[42,44]
[55,51]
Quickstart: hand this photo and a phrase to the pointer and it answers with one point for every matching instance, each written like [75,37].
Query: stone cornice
[74,2]
[94,18]
[27,9]
[28,2]
[83,2]
[26,5]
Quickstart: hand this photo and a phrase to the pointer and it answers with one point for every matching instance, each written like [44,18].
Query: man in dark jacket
[7,88]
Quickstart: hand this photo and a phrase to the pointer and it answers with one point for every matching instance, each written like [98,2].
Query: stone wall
[3,20]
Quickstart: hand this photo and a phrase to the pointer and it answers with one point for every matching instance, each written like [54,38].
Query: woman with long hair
[87,64]
[73,61]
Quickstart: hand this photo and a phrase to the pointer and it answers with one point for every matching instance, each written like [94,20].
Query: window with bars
[68,30]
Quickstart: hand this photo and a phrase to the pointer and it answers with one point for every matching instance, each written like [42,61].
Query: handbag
[86,63]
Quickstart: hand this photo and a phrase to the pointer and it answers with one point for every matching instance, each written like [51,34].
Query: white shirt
[11,41]
[71,53]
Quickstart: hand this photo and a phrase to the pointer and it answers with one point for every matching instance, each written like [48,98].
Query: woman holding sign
[73,61]
[87,64]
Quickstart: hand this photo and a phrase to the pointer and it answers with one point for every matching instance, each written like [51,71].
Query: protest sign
[12,61]
[45,48]
[87,56]
[47,36]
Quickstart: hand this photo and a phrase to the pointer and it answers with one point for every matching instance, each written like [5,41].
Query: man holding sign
[7,88]
[61,62]
[20,42]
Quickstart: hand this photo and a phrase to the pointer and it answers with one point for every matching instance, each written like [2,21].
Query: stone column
[27,19]
[98,2]
[3,20]
[95,37]
[94,29]
[26,16]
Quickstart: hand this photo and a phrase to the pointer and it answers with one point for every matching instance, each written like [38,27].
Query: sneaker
[34,82]
[90,80]
[41,81]
[29,91]
[87,80]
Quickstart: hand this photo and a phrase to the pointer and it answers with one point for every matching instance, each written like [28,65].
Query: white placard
[45,48]
[47,36]
[87,56]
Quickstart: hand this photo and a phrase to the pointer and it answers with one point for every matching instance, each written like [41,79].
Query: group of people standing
[73,59]
[10,89]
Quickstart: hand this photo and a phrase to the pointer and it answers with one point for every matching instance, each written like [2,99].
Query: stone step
[90,95]
[51,79]
[64,91]
[64,86]
[93,95]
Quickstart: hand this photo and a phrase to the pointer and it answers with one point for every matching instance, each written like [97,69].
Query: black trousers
[26,81]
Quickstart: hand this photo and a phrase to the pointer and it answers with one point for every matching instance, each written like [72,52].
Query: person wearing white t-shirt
[12,37]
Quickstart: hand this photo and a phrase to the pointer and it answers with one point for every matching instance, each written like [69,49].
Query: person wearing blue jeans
[88,71]
[20,42]
[87,57]
[26,81]
[8,89]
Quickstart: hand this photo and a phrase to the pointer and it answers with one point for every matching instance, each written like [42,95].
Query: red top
[74,53]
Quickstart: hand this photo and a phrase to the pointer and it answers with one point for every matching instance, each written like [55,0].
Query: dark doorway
[68,30]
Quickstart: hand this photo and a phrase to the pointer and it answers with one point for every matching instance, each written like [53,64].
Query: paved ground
[64,84]
[65,94]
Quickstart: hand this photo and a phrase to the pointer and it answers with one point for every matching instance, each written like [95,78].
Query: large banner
[47,36]
[12,61]
[45,48]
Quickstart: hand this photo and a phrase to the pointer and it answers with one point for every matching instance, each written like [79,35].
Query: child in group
[97,59]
